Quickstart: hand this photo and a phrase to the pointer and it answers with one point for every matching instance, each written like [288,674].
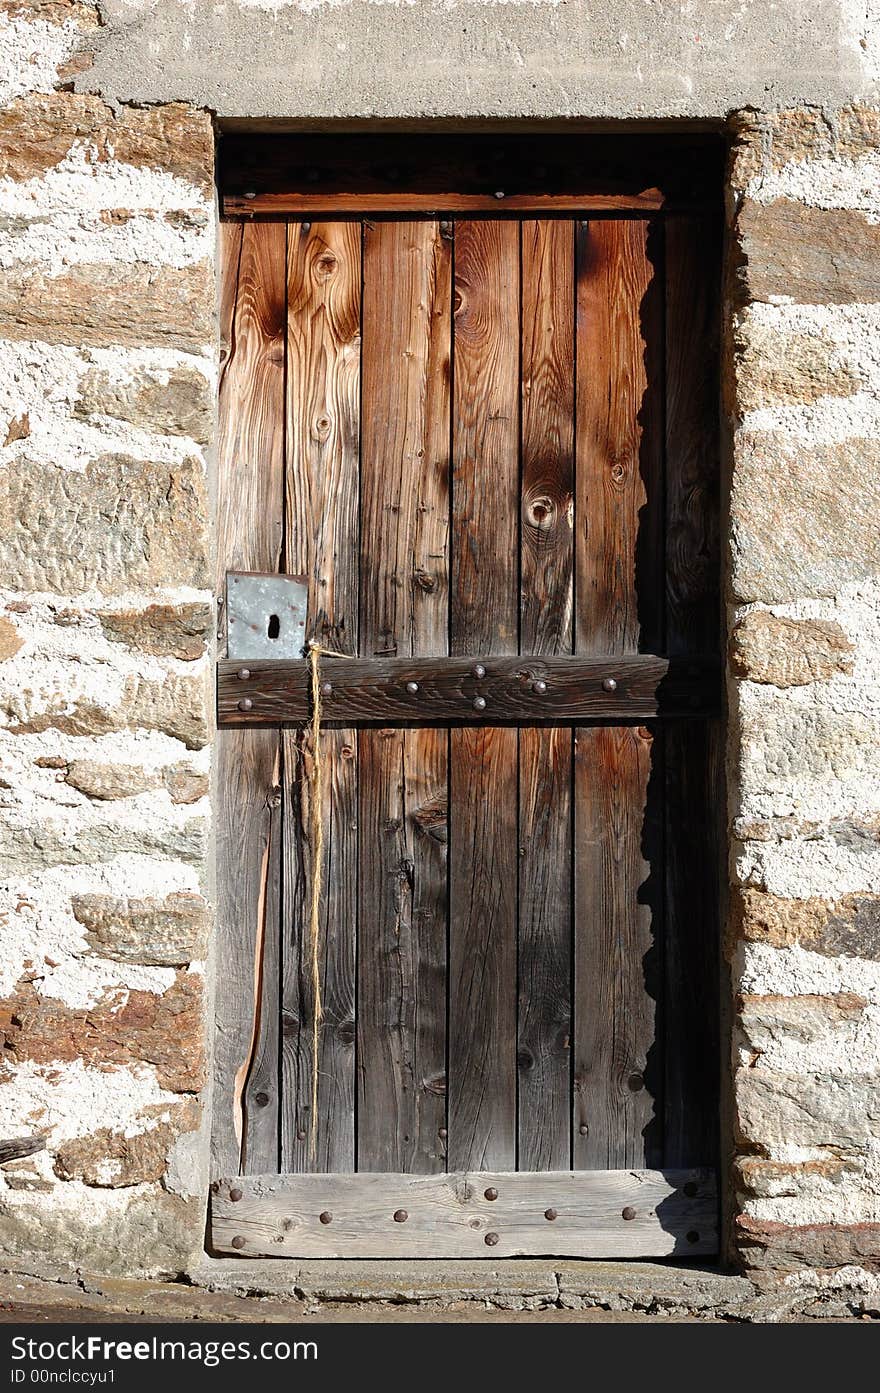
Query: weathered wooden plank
[402,952]
[618,506]
[485,440]
[376,690]
[323,412]
[334,205]
[250,518]
[544,950]
[547,436]
[404,609]
[482,948]
[616,1107]
[488,1214]
[694,766]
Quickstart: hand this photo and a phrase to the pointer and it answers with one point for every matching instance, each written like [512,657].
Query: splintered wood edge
[589,1214]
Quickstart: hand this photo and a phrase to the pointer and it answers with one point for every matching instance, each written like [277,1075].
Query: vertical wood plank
[402,952]
[547,502]
[484,605]
[619,504]
[547,436]
[482,949]
[694,765]
[250,521]
[322,480]
[619,589]
[615,1122]
[404,610]
[485,487]
[544,949]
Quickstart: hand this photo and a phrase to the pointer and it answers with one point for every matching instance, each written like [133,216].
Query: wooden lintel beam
[438,204]
[489,691]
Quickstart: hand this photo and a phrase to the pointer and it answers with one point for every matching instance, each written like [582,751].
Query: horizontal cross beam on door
[583,1214]
[493,691]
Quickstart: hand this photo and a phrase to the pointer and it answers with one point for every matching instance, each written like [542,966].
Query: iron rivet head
[400,1216]
[609,684]
[479,703]
[491,1193]
[326,689]
[249,193]
[583,1129]
[442,1133]
[238,1241]
[307,227]
[326,1217]
[499,193]
[300,1136]
[235,1193]
[490,1240]
[690,1189]
[540,686]
[550,1214]
[693,1236]
[261,1100]
[243,674]
[412,688]
[245,704]
[478,670]
[635,1083]
[628,1213]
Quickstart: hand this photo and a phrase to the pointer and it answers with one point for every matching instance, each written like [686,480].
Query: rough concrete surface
[483,59]
[426,1292]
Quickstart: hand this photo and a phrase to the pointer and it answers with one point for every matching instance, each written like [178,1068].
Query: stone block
[166,630]
[120,524]
[181,404]
[160,932]
[847,927]
[777,1109]
[814,256]
[804,516]
[789,652]
[786,1247]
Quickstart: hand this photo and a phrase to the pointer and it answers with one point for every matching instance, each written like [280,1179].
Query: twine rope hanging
[316,780]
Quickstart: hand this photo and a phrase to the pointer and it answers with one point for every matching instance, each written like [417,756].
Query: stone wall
[107,385]
[804,396]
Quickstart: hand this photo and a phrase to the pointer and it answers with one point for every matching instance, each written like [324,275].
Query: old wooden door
[483,429]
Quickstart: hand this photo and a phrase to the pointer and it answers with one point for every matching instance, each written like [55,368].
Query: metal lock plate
[265,615]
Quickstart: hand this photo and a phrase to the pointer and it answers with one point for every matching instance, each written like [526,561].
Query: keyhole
[274,626]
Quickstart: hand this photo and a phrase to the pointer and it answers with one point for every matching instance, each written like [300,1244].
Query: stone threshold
[271,1291]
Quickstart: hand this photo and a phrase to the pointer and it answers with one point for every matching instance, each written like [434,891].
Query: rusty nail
[235,1193]
[540,686]
[243,674]
[442,1133]
[583,1129]
[326,689]
[693,1236]
[238,1241]
[300,1136]
[491,1193]
[412,688]
[245,704]
[628,1213]
[326,1217]
[550,1214]
[478,670]
[690,1189]
[400,1216]
[609,684]
[490,1240]
[479,703]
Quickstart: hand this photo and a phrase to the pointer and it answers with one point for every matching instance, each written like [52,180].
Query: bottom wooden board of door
[578,1214]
